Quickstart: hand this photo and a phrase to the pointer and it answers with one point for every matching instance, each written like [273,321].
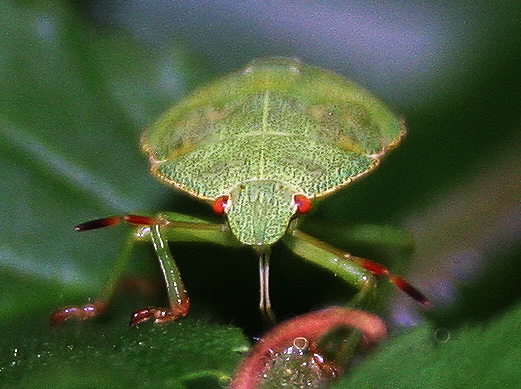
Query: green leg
[91,310]
[159,230]
[353,270]
[339,263]
[196,230]
[177,295]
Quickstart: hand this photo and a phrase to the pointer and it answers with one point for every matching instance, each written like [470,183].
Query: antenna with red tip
[113,220]
[399,282]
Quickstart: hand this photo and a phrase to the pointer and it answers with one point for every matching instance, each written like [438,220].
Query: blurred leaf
[69,131]
[484,355]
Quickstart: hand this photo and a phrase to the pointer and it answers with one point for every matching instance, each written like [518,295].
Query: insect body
[260,145]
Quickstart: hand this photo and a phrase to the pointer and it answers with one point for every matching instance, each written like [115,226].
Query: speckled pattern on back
[277,119]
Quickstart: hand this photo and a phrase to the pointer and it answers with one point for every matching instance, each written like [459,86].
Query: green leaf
[484,355]
[93,355]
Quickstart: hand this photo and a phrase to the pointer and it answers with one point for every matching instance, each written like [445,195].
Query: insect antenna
[114,220]
[399,282]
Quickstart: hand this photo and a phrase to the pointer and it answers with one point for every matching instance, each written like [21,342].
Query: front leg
[158,230]
[177,295]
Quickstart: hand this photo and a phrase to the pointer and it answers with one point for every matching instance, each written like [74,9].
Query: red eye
[303,203]
[220,203]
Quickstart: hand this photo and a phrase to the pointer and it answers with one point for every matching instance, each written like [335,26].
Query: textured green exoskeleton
[259,144]
[265,133]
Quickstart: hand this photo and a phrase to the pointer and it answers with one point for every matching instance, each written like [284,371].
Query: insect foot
[160,315]
[289,355]
[84,312]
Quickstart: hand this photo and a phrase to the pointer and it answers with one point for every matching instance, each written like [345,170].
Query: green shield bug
[259,145]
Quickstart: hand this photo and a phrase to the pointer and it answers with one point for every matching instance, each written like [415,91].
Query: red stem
[312,326]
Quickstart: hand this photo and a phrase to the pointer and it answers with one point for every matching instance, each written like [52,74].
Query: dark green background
[75,94]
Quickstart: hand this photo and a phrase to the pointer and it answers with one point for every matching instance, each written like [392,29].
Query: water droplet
[300,343]
[142,232]
[442,335]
